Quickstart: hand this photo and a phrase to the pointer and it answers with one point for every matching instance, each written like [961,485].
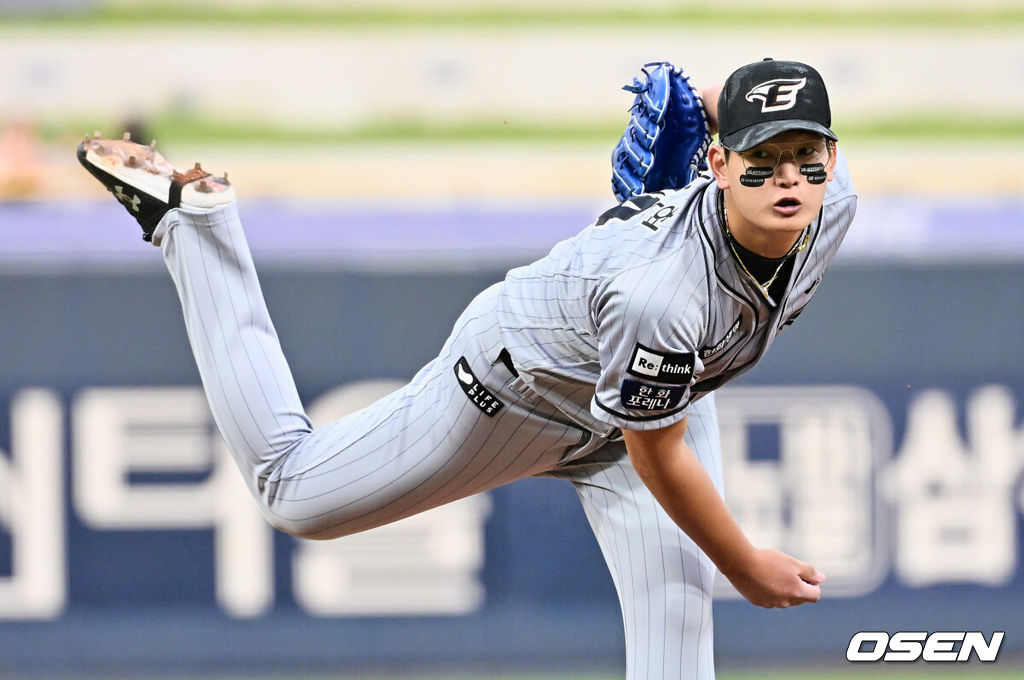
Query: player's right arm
[709,95]
[767,578]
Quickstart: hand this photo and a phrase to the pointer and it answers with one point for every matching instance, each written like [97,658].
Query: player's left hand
[774,579]
[666,141]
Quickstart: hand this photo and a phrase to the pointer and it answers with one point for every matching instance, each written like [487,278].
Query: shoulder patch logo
[641,396]
[676,369]
[776,95]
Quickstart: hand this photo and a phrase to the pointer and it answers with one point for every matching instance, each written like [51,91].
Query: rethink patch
[666,367]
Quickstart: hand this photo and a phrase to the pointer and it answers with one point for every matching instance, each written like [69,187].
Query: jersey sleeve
[650,321]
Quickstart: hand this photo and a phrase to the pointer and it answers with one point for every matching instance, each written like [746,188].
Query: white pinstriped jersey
[646,311]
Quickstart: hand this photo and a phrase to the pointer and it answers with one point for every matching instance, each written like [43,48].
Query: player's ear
[717,162]
[831,165]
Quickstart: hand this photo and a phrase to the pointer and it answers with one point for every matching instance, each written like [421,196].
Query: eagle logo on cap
[776,95]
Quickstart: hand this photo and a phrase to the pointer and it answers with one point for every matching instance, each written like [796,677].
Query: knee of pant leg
[315,529]
[308,531]
[301,519]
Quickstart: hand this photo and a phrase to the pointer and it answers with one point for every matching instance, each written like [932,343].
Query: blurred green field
[911,19]
[185,129]
[918,17]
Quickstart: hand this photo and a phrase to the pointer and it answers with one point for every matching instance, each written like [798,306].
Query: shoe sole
[122,163]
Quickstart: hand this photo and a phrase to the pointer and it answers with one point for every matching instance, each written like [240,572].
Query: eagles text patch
[676,369]
[639,396]
[708,352]
[477,393]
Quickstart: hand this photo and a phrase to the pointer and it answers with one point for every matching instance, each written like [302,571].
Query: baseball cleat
[146,184]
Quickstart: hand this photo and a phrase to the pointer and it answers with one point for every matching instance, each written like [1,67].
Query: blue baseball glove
[666,142]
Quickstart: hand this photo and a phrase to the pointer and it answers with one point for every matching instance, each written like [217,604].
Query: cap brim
[753,135]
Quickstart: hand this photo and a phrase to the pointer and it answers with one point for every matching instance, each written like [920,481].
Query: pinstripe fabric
[663,579]
[415,449]
[572,319]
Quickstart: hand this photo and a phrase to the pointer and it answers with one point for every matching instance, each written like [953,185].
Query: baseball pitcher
[596,364]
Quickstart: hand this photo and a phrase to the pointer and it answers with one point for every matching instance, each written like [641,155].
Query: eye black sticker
[814,172]
[755,177]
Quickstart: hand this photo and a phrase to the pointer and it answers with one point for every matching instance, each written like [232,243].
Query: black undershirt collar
[763,268]
[760,267]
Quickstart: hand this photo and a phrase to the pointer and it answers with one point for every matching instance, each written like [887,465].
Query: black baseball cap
[763,99]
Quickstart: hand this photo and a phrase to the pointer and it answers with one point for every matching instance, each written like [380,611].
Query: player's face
[775,189]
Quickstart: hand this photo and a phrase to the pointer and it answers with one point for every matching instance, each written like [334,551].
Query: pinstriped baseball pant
[427,444]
